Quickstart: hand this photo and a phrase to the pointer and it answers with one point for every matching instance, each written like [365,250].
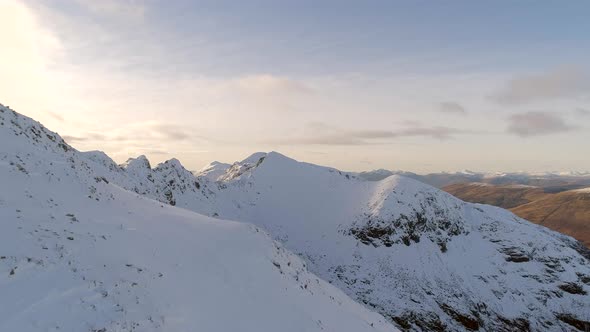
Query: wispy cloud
[146,133]
[537,123]
[438,132]
[124,9]
[452,107]
[88,137]
[153,152]
[56,116]
[582,111]
[323,134]
[171,132]
[567,82]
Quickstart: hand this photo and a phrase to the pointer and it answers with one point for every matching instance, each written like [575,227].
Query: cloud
[88,137]
[371,133]
[145,133]
[56,116]
[451,107]
[336,139]
[438,132]
[123,9]
[73,139]
[172,132]
[323,134]
[153,131]
[536,123]
[557,84]
[582,111]
[153,152]
[28,49]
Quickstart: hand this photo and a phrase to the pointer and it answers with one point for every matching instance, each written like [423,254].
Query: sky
[421,86]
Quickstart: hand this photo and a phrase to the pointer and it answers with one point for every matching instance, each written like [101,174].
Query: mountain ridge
[78,252]
[418,256]
[315,212]
[442,179]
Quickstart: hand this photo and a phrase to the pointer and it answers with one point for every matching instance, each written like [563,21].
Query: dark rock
[582,325]
[572,288]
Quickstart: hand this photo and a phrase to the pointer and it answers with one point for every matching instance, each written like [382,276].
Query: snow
[483,184]
[480,184]
[375,175]
[413,253]
[80,253]
[213,170]
[523,186]
[409,250]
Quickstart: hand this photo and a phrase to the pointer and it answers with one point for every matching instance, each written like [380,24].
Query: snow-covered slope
[418,255]
[80,253]
[213,170]
[422,258]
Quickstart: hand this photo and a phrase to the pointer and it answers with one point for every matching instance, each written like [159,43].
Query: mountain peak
[274,164]
[253,158]
[101,158]
[173,163]
[140,162]
[17,130]
[279,156]
[213,170]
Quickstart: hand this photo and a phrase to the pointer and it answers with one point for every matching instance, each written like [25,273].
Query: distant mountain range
[551,181]
[87,244]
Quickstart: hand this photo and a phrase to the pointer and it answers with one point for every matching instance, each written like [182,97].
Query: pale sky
[421,86]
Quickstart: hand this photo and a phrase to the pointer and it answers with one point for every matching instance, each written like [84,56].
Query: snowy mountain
[168,182]
[213,170]
[570,180]
[420,257]
[80,253]
[376,175]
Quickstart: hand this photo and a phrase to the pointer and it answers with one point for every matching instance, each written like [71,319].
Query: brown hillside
[505,196]
[567,212]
